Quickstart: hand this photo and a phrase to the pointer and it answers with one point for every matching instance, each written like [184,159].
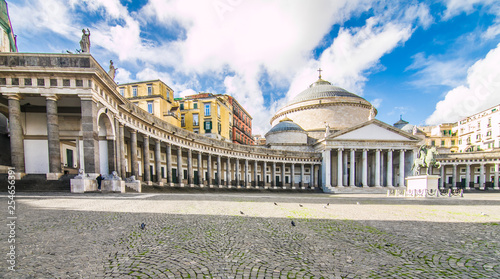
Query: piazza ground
[245,235]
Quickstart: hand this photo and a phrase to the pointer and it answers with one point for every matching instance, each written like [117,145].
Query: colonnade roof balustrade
[29,65]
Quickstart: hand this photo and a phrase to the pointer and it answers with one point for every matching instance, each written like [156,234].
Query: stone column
[345,170]
[264,174]
[389,168]
[179,166]
[90,136]
[273,179]
[313,177]
[377,168]
[146,160]
[246,174]
[53,139]
[283,175]
[353,168]
[365,168]
[200,169]
[495,183]
[159,179]
[118,142]
[209,170]
[340,172]
[122,152]
[326,167]
[481,177]
[228,172]
[219,173]
[302,171]
[16,135]
[467,176]
[443,178]
[292,174]
[133,154]
[255,177]
[237,172]
[402,168]
[454,177]
[169,165]
[190,168]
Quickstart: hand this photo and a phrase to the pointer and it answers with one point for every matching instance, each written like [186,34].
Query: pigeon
[241,212]
[324,206]
[483,214]
[357,203]
[275,204]
[143,226]
[293,223]
[300,205]
[328,204]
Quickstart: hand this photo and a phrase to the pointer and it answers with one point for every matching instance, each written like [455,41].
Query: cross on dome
[319,70]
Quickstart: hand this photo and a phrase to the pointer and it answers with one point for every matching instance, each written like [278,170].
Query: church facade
[66,113]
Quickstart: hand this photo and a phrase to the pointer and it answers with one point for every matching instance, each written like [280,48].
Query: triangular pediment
[373,130]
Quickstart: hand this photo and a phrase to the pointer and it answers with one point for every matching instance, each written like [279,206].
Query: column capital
[353,149]
[87,97]
[365,149]
[50,96]
[340,149]
[13,96]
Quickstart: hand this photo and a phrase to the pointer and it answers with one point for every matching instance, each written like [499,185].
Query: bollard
[449,193]
[461,193]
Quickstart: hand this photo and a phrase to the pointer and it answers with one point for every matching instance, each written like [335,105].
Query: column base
[378,186]
[293,188]
[54,175]
[18,175]
[149,183]
[496,188]
[191,185]
[181,185]
[160,184]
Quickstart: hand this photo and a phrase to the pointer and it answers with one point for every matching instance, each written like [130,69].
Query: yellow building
[207,114]
[153,96]
[442,136]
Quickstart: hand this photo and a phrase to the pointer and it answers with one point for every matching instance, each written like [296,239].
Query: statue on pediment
[85,41]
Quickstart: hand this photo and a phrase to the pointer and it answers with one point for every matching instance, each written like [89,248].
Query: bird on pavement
[241,212]
[293,223]
[143,226]
[275,204]
[300,205]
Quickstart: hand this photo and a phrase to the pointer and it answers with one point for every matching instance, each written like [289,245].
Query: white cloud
[435,70]
[480,93]
[353,54]
[187,92]
[455,7]
[376,103]
[122,76]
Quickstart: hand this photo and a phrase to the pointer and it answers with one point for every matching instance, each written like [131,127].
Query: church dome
[322,89]
[285,124]
[323,104]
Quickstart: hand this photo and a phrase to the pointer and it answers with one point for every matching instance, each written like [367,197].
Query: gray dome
[322,89]
[285,124]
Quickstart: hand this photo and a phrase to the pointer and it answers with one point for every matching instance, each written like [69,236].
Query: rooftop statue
[112,69]
[425,159]
[85,41]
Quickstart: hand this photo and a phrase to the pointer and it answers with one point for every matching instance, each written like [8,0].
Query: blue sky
[430,61]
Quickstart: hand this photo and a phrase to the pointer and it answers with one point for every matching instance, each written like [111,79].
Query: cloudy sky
[430,61]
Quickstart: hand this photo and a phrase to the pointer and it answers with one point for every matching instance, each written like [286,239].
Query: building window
[433,143]
[207,109]
[195,105]
[150,89]
[218,110]
[182,106]
[134,91]
[195,119]
[196,130]
[183,120]
[208,127]
[66,82]
[150,107]
[27,81]
[15,81]
[219,128]
[122,91]
[79,83]
[40,82]
[452,142]
[442,143]
[53,82]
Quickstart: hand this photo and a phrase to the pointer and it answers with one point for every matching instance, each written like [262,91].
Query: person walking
[99,180]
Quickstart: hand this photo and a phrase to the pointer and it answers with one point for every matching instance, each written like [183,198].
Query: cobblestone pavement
[206,236]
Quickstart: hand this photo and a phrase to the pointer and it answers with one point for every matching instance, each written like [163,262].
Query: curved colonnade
[82,106]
